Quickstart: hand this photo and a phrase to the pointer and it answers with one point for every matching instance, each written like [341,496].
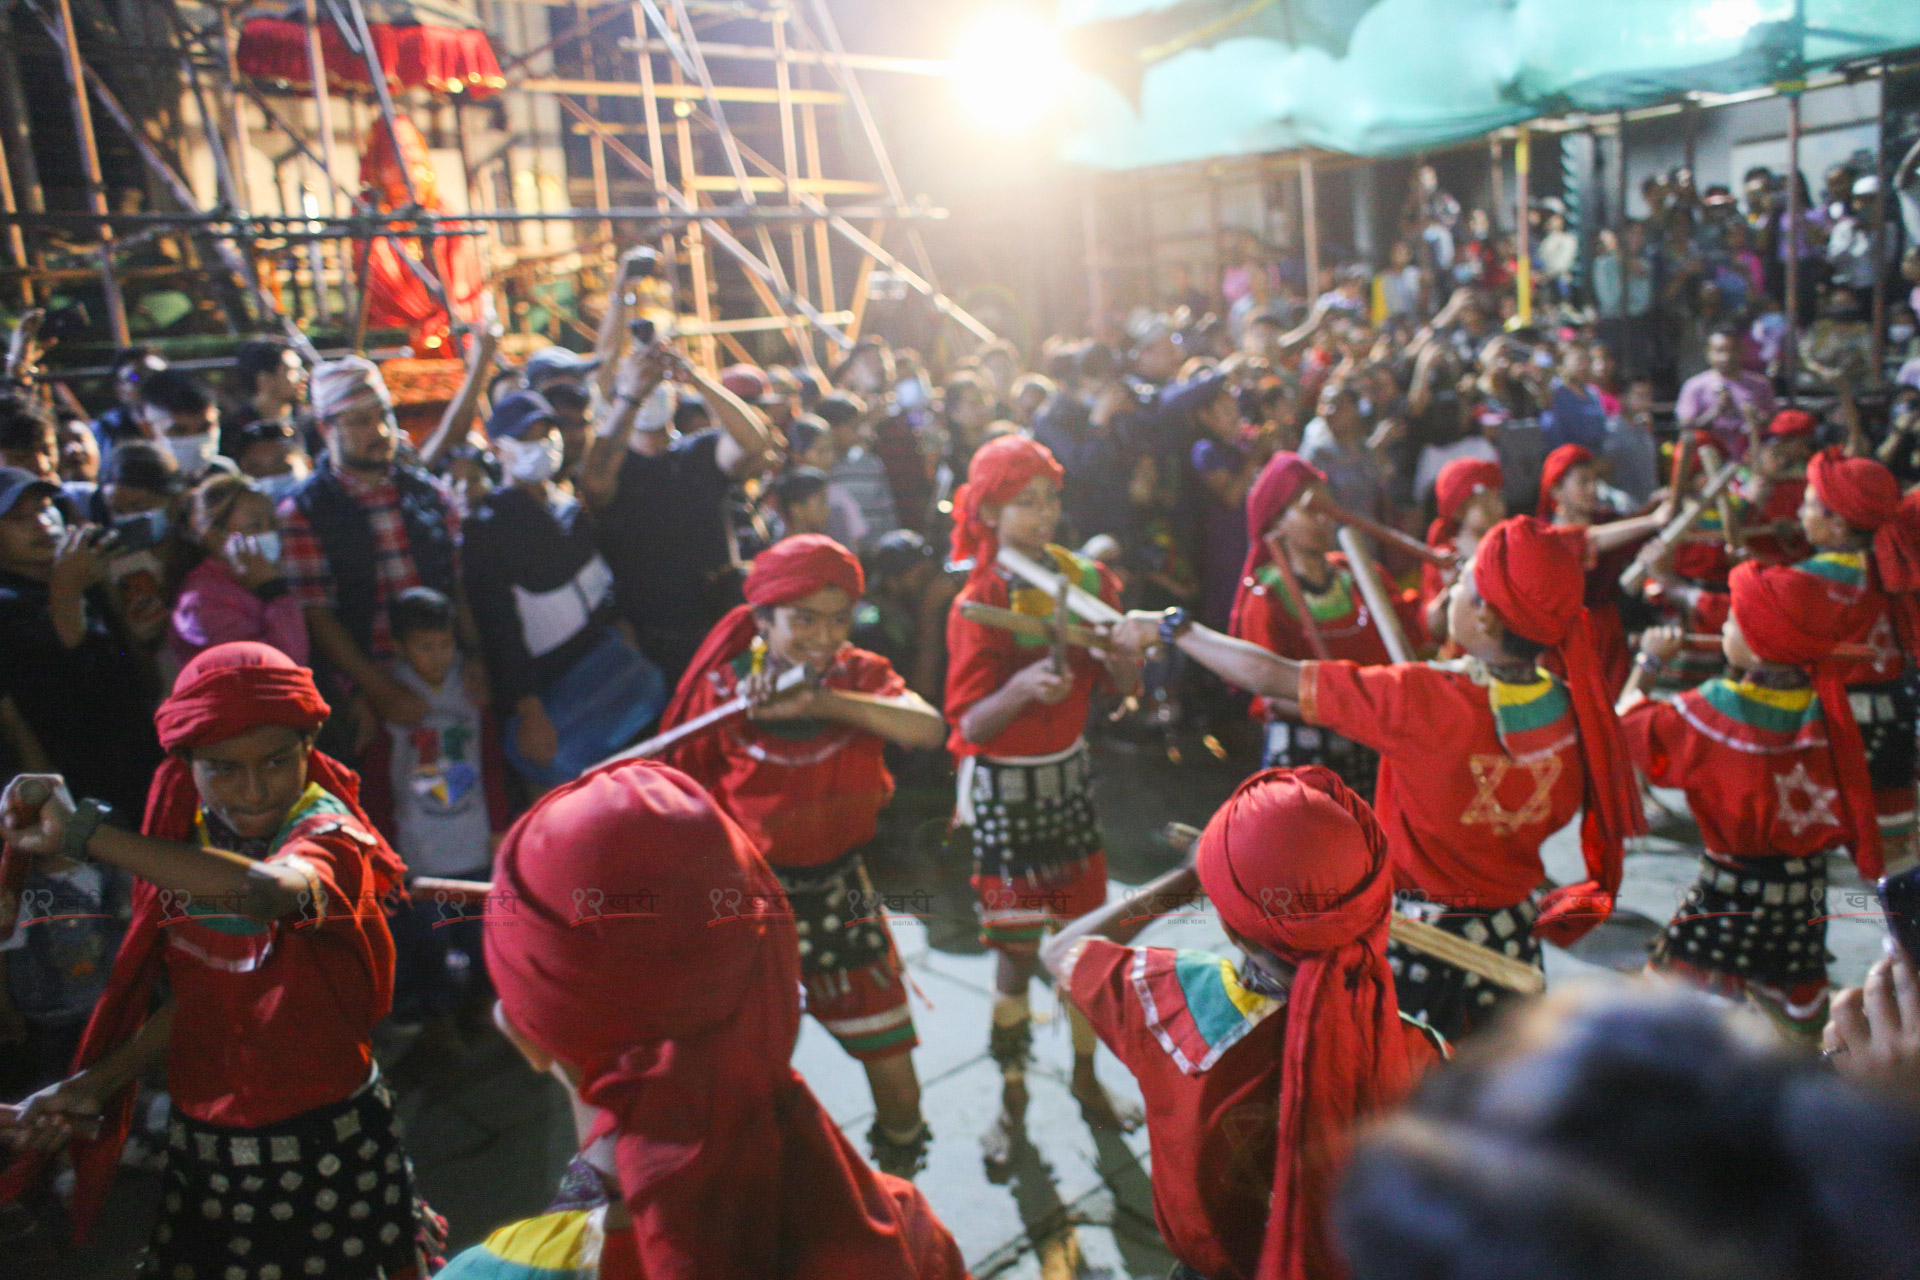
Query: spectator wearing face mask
[121,422]
[230,586]
[181,416]
[138,477]
[569,686]
[69,666]
[659,502]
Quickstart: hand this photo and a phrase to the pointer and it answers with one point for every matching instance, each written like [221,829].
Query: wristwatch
[1174,623]
[86,819]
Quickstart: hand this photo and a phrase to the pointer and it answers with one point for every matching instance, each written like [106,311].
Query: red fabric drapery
[416,56]
[398,297]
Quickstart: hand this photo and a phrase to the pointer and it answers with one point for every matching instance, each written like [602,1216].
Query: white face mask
[529,461]
[268,544]
[656,411]
[193,454]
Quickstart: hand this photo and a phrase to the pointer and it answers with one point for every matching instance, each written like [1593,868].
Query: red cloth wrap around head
[1533,577]
[1460,482]
[1281,482]
[1554,470]
[1296,863]
[1796,618]
[732,1169]
[1864,493]
[1000,469]
[223,692]
[791,569]
[1792,422]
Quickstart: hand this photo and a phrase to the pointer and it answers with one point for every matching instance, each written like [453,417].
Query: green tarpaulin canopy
[1167,81]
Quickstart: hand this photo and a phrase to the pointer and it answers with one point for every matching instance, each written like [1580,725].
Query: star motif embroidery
[1818,809]
[1488,773]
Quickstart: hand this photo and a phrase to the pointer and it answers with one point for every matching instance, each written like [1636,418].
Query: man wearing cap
[568,687]
[1481,759]
[659,501]
[69,669]
[365,528]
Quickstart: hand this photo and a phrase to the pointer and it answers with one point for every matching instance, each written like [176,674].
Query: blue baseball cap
[516,413]
[555,362]
[17,483]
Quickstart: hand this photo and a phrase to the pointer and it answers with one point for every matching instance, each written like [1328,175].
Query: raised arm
[1238,662]
[457,421]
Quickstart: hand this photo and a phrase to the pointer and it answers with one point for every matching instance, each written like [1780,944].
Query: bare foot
[1009,1129]
[1100,1110]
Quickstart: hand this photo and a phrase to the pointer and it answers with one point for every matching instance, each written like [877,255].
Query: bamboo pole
[16,237]
[790,162]
[323,125]
[90,166]
[1522,231]
[1790,341]
[1880,180]
[1310,227]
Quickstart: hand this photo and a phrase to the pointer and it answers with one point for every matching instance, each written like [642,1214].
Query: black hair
[797,486]
[1098,363]
[420,609]
[23,421]
[1646,1107]
[803,433]
[569,395]
[1061,361]
[142,464]
[898,552]
[253,358]
[130,357]
[690,414]
[840,409]
[175,391]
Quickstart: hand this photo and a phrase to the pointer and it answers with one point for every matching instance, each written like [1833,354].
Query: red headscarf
[1792,422]
[731,1167]
[1533,577]
[1460,482]
[791,569]
[1285,477]
[1297,864]
[1864,493]
[1000,469]
[1554,470]
[223,692]
[1797,618]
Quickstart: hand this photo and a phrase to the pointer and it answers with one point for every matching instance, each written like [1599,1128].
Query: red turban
[1792,422]
[1554,470]
[1533,577]
[1000,469]
[1864,493]
[1296,863]
[1285,477]
[791,569]
[1797,618]
[223,692]
[731,1167]
[1460,482]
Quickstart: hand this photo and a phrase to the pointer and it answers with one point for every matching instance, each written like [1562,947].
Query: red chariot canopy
[416,55]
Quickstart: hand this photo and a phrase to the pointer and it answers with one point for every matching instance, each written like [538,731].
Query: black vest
[346,537]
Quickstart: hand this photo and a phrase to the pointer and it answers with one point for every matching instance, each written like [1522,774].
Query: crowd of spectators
[495,607]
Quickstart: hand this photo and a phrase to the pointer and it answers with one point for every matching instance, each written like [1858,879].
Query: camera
[643,331]
[139,532]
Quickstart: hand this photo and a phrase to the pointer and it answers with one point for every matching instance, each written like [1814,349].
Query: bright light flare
[1009,70]
[1730,19]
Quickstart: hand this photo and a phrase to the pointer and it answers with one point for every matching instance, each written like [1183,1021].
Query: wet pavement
[490,1138]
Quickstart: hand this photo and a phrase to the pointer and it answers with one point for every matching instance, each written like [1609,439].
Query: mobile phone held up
[643,330]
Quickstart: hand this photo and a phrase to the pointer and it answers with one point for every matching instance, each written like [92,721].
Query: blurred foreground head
[1639,1134]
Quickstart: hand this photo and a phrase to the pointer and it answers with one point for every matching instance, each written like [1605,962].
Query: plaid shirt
[310,577]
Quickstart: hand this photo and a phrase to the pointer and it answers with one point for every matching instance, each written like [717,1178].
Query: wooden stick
[1636,573]
[1501,970]
[457,893]
[1383,533]
[1384,617]
[727,710]
[1090,607]
[1025,625]
[1277,552]
[1846,652]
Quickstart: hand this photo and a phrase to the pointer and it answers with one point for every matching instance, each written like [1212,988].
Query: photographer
[658,498]
[69,668]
